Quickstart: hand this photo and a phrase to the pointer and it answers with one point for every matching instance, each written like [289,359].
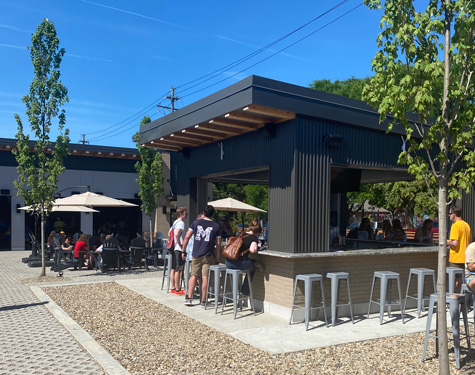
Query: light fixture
[332,140]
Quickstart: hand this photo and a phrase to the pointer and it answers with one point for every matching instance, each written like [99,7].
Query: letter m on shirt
[203,234]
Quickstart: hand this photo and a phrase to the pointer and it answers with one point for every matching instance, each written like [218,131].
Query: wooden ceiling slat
[207,132]
[232,124]
[241,116]
[191,135]
[220,129]
[268,111]
[178,140]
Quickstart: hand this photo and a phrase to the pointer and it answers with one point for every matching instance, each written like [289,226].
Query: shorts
[469,276]
[200,266]
[457,265]
[178,264]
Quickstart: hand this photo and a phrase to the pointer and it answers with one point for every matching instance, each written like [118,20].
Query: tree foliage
[39,170]
[150,180]
[350,88]
[424,83]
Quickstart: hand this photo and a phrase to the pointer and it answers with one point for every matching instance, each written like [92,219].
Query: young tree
[150,179]
[424,82]
[39,169]
[351,87]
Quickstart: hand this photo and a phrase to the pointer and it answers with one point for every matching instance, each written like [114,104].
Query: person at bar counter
[365,226]
[249,244]
[207,235]
[397,233]
[460,236]
[385,230]
[424,233]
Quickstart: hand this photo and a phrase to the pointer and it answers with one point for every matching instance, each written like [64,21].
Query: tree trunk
[443,183]
[441,284]
[43,265]
[151,232]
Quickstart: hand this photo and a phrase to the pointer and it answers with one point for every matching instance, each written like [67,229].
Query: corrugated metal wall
[299,173]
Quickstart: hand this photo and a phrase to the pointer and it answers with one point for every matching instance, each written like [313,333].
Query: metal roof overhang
[249,105]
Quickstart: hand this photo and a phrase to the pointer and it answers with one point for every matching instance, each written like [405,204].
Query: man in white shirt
[178,263]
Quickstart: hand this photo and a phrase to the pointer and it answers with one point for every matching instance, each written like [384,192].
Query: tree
[39,170]
[350,88]
[423,83]
[150,180]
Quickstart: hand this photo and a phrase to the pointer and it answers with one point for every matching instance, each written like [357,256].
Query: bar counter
[273,289]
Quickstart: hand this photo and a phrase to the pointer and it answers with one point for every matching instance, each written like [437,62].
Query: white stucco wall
[113,184]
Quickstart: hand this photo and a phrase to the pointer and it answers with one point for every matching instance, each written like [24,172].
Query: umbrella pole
[242,218]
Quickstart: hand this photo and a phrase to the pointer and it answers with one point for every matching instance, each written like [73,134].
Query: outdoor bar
[310,148]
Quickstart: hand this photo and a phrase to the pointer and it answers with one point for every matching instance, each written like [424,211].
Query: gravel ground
[143,336]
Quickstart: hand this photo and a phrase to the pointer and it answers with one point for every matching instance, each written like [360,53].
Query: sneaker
[202,304]
[180,292]
[172,291]
[188,302]
[259,267]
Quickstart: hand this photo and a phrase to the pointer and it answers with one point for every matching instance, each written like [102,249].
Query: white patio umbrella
[231,204]
[91,199]
[64,209]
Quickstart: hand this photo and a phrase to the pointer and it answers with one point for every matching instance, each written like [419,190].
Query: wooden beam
[204,133]
[240,116]
[177,139]
[232,124]
[220,129]
[271,112]
[194,135]
[189,138]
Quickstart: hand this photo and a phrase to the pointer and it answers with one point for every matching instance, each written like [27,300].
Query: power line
[217,72]
[255,53]
[281,50]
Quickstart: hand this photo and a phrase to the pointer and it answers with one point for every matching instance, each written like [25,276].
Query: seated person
[470,266]
[68,244]
[365,226]
[424,233]
[384,233]
[82,246]
[397,233]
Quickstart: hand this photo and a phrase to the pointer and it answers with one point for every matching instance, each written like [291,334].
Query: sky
[122,57]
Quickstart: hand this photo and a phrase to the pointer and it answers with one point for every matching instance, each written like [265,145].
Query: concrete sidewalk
[266,332]
[37,337]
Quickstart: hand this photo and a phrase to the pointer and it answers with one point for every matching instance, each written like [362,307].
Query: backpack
[171,239]
[231,250]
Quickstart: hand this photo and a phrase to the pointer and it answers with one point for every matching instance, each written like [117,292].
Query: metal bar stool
[456,304]
[335,278]
[385,278]
[421,274]
[236,296]
[216,269]
[166,270]
[451,273]
[308,280]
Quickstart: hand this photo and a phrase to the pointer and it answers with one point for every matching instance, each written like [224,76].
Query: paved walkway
[33,341]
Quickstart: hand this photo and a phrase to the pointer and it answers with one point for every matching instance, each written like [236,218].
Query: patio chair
[110,259]
[137,252]
[110,255]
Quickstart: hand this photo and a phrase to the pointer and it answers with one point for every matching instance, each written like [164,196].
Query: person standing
[177,259]
[207,234]
[459,239]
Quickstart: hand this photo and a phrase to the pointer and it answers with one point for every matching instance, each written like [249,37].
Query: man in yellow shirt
[460,237]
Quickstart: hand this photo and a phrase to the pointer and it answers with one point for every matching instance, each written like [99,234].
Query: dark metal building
[309,147]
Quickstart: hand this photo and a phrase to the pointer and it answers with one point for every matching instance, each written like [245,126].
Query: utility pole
[172,99]
[83,139]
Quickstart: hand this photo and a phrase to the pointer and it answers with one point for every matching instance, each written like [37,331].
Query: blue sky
[122,57]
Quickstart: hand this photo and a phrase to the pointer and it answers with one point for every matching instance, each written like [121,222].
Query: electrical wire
[281,50]
[217,72]
[255,53]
